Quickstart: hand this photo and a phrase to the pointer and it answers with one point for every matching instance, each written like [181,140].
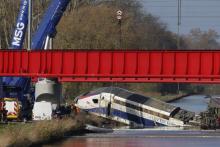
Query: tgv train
[131,109]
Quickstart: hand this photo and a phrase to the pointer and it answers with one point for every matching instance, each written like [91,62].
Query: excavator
[20,88]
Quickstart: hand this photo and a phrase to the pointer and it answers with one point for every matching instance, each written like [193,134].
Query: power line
[192,16]
[184,6]
[175,0]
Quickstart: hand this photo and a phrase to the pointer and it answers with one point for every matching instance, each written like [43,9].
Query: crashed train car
[132,109]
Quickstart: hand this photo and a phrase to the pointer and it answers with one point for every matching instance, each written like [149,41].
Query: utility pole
[0,42]
[29,23]
[179,22]
[178,32]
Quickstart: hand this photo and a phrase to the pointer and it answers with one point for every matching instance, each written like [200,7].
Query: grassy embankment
[37,133]
[43,132]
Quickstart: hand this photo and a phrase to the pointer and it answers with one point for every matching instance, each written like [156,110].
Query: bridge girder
[114,65]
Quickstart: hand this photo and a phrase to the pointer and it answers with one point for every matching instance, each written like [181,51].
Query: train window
[95,101]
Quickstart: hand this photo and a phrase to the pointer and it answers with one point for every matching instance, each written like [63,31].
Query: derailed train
[132,109]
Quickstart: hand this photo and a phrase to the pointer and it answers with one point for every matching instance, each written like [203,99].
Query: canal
[152,137]
[194,103]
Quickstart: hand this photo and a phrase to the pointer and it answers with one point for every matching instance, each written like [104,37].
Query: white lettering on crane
[25,6]
[18,34]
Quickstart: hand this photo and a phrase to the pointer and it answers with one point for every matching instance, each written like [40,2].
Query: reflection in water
[132,142]
[146,138]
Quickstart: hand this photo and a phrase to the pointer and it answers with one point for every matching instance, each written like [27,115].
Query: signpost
[119,14]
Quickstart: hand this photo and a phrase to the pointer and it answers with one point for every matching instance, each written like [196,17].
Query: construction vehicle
[19,87]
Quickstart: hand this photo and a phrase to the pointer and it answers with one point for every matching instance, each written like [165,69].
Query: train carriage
[132,109]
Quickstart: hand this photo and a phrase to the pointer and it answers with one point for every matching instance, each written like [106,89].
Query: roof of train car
[123,93]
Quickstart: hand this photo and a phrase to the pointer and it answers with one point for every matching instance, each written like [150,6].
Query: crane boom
[47,27]
[21,26]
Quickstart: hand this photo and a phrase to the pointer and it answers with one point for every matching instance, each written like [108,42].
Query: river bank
[166,98]
[178,97]
[33,134]
[43,132]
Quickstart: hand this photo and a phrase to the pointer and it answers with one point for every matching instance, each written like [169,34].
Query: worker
[75,109]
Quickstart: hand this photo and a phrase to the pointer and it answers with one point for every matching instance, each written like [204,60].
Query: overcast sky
[204,14]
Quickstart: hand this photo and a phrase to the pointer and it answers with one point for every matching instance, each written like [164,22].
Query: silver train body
[132,109]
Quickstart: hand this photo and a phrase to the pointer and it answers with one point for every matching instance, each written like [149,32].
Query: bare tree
[198,39]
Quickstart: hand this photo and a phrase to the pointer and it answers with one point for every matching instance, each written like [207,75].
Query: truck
[10,109]
[47,94]
[42,111]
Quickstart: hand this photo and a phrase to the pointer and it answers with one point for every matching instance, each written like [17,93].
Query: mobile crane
[19,87]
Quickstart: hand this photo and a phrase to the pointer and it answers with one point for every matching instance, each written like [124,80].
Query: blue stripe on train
[134,118]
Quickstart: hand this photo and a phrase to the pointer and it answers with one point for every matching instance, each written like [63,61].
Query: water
[154,137]
[145,138]
[194,103]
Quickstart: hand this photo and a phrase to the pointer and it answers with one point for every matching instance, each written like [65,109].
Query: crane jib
[21,26]
[47,27]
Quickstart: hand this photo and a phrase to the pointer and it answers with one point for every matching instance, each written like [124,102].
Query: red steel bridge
[113,65]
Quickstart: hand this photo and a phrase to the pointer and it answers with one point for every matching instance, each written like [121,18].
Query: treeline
[92,24]
[96,27]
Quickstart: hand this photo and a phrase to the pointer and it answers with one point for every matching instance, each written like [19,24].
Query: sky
[203,14]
